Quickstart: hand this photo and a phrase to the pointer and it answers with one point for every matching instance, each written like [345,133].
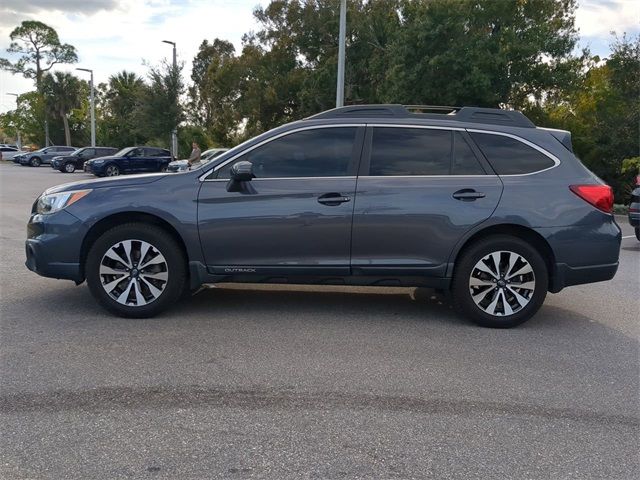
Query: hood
[63,157]
[124,181]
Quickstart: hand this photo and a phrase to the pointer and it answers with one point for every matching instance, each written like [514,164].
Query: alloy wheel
[134,273]
[502,283]
[69,168]
[112,171]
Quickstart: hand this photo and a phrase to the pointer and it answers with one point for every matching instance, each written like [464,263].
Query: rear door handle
[468,195]
[333,199]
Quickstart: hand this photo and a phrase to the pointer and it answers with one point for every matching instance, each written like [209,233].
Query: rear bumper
[634,218]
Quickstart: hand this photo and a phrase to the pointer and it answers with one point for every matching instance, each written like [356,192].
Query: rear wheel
[638,233]
[35,162]
[500,282]
[136,270]
[112,171]
[69,167]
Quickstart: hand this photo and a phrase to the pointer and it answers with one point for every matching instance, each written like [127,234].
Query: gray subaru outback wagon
[477,201]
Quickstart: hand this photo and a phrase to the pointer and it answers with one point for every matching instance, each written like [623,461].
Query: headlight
[55,202]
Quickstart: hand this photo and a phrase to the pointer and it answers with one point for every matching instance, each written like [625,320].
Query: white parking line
[629,236]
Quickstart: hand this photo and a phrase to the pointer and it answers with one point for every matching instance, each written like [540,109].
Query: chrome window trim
[428,127]
[550,155]
[203,178]
[347,177]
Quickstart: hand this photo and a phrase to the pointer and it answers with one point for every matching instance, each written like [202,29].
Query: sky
[115,35]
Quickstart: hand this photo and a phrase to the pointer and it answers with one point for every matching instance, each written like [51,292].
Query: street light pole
[93,108]
[19,143]
[341,54]
[174,132]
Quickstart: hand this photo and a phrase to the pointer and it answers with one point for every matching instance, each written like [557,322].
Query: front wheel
[69,167]
[35,162]
[112,171]
[136,270]
[499,281]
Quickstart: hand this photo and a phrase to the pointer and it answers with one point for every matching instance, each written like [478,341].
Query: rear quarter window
[509,156]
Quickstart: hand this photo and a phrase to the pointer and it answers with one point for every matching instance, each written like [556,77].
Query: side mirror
[242,172]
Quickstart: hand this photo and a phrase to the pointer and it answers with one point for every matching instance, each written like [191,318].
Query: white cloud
[122,37]
[597,18]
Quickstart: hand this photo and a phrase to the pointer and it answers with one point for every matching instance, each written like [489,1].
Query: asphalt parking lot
[282,382]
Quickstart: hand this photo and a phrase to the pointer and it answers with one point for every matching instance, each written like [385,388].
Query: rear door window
[509,156]
[464,160]
[410,151]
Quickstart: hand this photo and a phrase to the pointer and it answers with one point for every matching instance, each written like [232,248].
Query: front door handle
[333,199]
[468,195]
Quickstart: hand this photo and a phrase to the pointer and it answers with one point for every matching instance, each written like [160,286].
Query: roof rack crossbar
[494,116]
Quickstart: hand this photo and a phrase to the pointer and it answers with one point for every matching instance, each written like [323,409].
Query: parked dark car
[476,201]
[44,155]
[634,208]
[75,161]
[130,160]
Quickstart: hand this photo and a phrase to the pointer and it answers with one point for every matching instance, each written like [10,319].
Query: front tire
[499,282]
[35,162]
[69,167]
[136,270]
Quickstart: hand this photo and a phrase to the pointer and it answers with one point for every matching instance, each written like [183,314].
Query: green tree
[40,48]
[63,93]
[122,97]
[482,52]
[28,117]
[160,110]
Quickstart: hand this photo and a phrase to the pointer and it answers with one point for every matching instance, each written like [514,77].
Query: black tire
[466,266]
[638,233]
[162,242]
[111,171]
[163,169]
[69,167]
[35,162]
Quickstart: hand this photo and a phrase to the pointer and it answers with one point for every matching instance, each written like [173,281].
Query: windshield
[123,152]
[76,152]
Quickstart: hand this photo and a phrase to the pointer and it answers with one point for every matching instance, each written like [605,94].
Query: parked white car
[7,153]
[206,156]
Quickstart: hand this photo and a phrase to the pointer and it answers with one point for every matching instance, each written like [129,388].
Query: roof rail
[494,116]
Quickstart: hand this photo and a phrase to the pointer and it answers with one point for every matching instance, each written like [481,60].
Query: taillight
[600,196]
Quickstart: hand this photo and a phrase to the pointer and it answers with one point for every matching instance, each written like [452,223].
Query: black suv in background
[75,161]
[477,201]
[130,160]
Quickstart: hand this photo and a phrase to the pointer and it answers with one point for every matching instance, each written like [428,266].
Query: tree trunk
[67,132]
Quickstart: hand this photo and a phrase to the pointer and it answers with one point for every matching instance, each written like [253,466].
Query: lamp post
[19,144]
[341,54]
[174,132]
[93,108]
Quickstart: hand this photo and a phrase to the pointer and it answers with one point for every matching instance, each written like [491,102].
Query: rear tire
[492,296]
[638,233]
[112,171]
[35,162]
[136,270]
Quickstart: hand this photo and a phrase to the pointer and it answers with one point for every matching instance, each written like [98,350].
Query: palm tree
[63,92]
[124,92]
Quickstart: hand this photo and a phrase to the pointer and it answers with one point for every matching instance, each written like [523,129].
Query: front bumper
[53,246]
[97,170]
